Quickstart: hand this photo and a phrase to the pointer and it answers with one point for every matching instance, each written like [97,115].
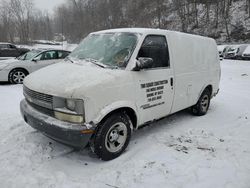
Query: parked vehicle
[225,50]
[117,80]
[8,50]
[240,51]
[246,53]
[16,69]
[231,52]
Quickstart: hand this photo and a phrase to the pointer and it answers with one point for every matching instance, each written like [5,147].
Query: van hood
[64,79]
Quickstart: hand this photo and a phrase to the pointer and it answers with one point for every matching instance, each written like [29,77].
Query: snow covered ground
[179,151]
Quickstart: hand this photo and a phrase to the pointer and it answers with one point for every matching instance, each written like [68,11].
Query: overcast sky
[47,4]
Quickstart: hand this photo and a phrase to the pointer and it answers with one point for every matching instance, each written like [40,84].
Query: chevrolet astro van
[118,80]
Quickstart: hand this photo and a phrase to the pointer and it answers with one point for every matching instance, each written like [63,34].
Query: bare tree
[74,19]
[21,11]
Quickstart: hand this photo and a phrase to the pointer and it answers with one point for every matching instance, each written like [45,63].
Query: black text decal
[154,92]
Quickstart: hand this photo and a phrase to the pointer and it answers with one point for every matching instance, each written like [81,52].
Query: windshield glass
[29,55]
[109,49]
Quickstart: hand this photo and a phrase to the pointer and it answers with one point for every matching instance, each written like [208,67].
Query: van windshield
[109,49]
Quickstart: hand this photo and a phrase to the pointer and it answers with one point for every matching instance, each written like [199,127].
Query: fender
[114,106]
[202,89]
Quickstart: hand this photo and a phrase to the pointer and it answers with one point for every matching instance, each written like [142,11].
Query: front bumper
[74,135]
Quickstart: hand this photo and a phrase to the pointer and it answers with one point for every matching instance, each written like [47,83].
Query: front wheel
[17,76]
[112,136]
[202,105]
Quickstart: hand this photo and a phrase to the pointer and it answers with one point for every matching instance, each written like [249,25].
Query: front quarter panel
[105,97]
[112,107]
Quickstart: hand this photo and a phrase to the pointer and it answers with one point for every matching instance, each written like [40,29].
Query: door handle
[171,82]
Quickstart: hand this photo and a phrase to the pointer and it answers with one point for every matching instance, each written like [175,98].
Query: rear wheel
[112,137]
[203,103]
[17,76]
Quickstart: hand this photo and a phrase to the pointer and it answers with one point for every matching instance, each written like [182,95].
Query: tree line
[224,20]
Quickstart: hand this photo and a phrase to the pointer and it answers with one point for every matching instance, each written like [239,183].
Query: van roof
[133,30]
[147,31]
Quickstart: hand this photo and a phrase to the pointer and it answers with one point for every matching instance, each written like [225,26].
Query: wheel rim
[116,137]
[18,77]
[204,103]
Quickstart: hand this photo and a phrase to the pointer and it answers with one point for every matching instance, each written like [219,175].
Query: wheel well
[23,69]
[210,89]
[129,111]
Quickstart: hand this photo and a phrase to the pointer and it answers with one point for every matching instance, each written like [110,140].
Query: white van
[118,80]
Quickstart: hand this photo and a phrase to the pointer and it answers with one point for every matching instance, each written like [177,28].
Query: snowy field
[212,151]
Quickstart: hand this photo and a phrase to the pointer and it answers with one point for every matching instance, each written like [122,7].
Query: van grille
[40,99]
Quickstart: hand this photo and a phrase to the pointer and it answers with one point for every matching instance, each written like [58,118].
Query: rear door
[154,86]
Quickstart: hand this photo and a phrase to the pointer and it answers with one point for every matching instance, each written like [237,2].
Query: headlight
[71,110]
[70,104]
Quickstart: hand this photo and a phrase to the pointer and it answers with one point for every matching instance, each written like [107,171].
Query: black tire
[201,107]
[17,76]
[105,140]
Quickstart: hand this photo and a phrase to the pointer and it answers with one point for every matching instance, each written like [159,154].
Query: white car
[116,81]
[15,70]
[246,53]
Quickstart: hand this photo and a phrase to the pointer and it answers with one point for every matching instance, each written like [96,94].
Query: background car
[15,70]
[246,53]
[231,52]
[8,50]
[240,51]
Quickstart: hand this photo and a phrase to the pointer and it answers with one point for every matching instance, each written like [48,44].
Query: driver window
[155,47]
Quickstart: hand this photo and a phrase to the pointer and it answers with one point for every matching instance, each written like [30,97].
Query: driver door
[44,59]
[154,87]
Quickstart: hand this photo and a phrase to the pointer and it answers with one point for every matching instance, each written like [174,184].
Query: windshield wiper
[96,62]
[68,58]
[91,60]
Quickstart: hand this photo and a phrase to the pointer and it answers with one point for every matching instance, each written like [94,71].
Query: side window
[47,56]
[3,46]
[62,54]
[155,47]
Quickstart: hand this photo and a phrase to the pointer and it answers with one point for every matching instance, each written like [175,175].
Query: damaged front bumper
[75,135]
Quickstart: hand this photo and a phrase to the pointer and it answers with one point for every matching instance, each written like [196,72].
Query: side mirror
[34,60]
[143,63]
